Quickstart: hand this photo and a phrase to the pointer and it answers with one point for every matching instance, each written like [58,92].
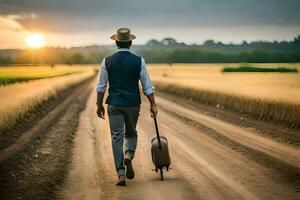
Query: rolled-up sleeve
[148,87]
[103,78]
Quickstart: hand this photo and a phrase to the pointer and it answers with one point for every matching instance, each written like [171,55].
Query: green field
[10,75]
[259,69]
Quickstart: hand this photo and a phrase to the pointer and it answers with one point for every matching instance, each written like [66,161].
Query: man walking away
[122,71]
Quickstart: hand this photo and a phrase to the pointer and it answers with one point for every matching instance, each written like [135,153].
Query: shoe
[121,181]
[129,168]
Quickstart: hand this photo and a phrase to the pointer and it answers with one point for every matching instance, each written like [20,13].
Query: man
[122,71]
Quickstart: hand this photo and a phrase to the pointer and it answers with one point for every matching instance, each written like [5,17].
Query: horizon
[159,40]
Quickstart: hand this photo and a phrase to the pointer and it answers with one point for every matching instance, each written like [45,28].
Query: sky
[88,22]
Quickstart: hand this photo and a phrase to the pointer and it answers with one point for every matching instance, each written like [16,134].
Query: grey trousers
[122,121]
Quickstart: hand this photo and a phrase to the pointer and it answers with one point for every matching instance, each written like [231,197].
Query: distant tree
[76,58]
[297,40]
[219,45]
[169,41]
[209,43]
[244,42]
[153,42]
[5,60]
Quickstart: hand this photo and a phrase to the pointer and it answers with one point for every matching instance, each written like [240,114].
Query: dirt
[213,157]
[203,167]
[36,164]
[8,137]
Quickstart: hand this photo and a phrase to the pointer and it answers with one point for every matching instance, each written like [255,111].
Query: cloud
[92,21]
[10,23]
[12,33]
[77,15]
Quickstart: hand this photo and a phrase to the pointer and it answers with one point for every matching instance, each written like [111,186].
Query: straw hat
[123,35]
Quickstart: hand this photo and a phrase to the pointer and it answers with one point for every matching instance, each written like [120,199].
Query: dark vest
[123,69]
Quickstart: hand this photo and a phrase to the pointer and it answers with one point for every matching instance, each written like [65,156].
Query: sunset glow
[35,40]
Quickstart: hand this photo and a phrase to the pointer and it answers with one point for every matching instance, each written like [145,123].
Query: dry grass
[21,98]
[269,96]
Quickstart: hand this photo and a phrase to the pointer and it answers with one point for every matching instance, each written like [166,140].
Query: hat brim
[114,37]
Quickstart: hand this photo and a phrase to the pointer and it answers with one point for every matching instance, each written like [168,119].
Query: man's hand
[101,111]
[153,110]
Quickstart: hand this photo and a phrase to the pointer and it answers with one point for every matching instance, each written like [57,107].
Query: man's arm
[148,88]
[101,88]
[100,96]
[100,107]
[153,108]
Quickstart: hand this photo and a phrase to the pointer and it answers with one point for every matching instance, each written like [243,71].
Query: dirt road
[68,155]
[236,164]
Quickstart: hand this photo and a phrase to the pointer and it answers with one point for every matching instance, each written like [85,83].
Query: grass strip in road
[272,111]
[259,69]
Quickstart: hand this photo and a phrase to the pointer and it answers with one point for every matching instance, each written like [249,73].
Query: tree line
[167,50]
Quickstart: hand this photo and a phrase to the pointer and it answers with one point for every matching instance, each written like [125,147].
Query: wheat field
[271,86]
[268,96]
[20,98]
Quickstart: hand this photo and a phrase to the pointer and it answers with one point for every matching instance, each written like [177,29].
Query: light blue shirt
[148,87]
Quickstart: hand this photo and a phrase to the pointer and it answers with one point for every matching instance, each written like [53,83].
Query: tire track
[227,172]
[268,156]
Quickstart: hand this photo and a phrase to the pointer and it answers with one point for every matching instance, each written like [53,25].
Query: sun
[35,40]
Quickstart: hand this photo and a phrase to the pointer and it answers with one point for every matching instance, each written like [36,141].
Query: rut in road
[202,168]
